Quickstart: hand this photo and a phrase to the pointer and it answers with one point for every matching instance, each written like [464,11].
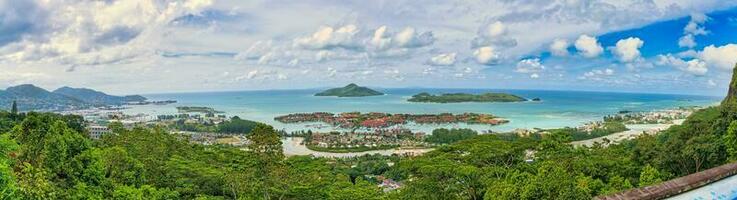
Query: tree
[730,141]
[266,144]
[649,176]
[14,109]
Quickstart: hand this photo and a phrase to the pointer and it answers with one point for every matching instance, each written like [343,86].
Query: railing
[676,186]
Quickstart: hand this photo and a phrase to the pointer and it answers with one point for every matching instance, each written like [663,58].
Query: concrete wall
[676,186]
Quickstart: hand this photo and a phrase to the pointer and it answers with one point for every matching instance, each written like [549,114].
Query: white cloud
[486,55]
[693,28]
[693,66]
[256,51]
[687,41]
[627,50]
[722,57]
[527,66]
[597,74]
[559,47]
[534,76]
[446,59]
[588,46]
[493,34]
[261,74]
[329,37]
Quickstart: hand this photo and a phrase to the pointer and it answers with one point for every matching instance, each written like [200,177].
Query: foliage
[463,97]
[447,136]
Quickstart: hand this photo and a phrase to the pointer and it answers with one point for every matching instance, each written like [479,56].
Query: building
[97,131]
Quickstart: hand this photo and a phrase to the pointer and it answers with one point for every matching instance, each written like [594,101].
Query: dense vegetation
[447,136]
[463,97]
[235,125]
[48,156]
[607,128]
[350,90]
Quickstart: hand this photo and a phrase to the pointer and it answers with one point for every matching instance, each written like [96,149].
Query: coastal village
[352,120]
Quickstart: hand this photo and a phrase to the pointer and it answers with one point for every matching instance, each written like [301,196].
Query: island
[353,120]
[465,97]
[350,90]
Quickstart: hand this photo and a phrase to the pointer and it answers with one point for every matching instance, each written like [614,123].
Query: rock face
[732,93]
[350,90]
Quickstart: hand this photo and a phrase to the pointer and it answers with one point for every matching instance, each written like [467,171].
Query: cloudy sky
[144,46]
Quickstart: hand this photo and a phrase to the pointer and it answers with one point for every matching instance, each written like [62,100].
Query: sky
[166,46]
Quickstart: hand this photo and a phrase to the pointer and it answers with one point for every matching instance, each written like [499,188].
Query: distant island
[197,109]
[350,90]
[464,97]
[30,97]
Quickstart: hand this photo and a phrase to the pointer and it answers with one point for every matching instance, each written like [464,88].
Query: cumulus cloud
[527,66]
[487,55]
[559,47]
[493,34]
[95,32]
[722,57]
[329,37]
[446,59]
[627,50]
[383,40]
[588,46]
[693,66]
[693,28]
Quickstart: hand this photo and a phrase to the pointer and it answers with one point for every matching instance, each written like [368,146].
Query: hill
[350,90]
[464,97]
[30,97]
[96,97]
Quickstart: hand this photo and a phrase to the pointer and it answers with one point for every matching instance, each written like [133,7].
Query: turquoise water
[557,109]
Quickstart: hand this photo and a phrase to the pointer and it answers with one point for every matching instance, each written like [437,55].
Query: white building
[97,131]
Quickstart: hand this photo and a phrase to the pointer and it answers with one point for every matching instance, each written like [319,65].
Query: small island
[350,90]
[464,97]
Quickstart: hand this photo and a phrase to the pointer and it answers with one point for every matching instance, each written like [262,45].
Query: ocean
[557,108]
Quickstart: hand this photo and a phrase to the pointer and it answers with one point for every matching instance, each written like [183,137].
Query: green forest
[49,156]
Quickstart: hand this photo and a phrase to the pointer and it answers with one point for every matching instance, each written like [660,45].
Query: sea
[556,108]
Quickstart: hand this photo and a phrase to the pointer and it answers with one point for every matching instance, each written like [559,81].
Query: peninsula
[465,97]
[350,90]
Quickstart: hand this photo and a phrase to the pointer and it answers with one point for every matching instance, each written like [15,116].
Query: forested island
[465,97]
[350,90]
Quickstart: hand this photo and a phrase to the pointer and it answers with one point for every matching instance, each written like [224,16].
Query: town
[351,120]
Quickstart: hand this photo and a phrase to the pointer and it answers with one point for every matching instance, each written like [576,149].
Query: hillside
[96,97]
[350,90]
[30,97]
[463,97]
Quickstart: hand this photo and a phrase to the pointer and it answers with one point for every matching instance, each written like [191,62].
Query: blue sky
[141,46]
